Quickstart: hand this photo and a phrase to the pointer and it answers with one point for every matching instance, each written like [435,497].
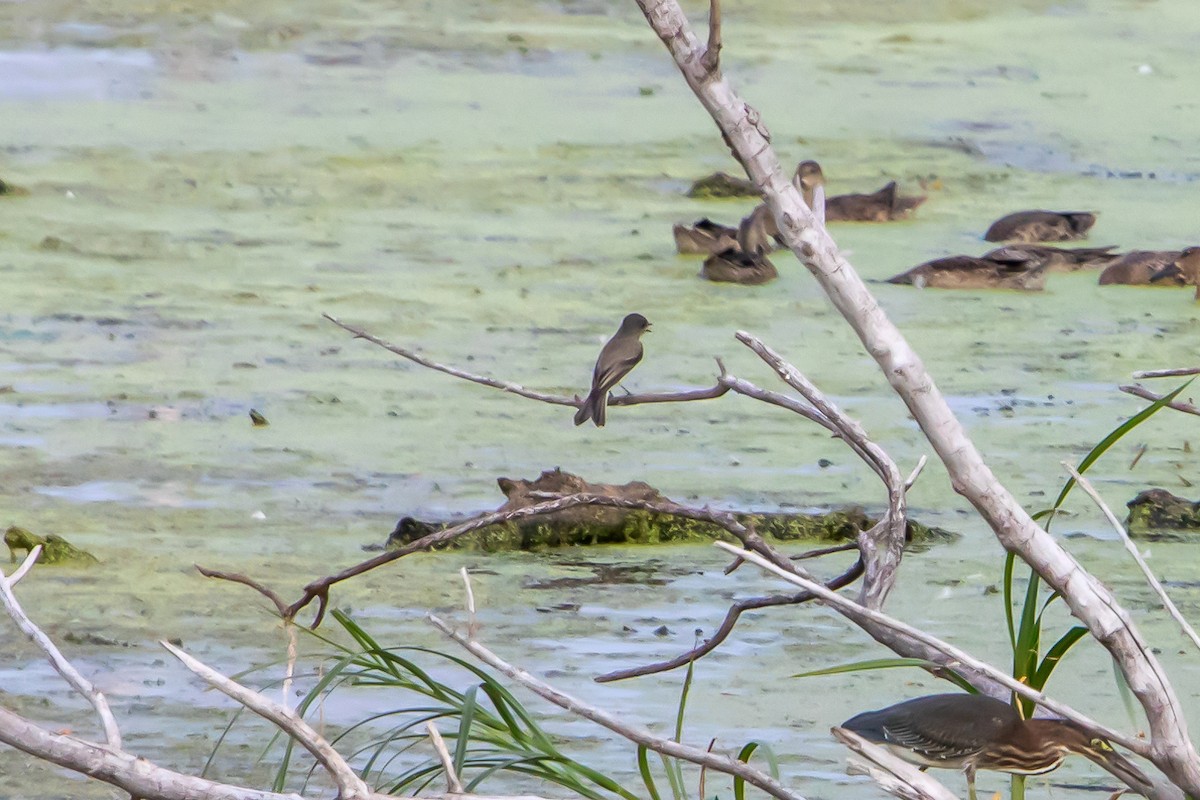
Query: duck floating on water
[1041,226]
[1137,267]
[737,266]
[1004,268]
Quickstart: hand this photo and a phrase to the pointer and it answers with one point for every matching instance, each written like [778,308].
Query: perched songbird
[1137,267]
[619,355]
[972,732]
[1041,226]
[1004,268]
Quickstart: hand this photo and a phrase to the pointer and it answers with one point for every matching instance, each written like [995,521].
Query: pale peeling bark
[1090,601]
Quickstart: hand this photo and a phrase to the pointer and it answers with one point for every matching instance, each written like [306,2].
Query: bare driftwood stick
[712,53]
[727,625]
[882,546]
[894,775]
[350,786]
[112,733]
[638,735]
[1089,600]
[1141,391]
[1131,548]
[21,571]
[452,782]
[1167,373]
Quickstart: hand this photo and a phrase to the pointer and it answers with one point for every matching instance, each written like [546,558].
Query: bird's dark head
[635,324]
[1072,739]
[1081,221]
[809,175]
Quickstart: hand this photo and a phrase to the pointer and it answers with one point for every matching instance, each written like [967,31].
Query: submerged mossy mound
[593,525]
[721,184]
[55,549]
[1157,510]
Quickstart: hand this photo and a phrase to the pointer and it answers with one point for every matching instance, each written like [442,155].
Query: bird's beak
[1126,770]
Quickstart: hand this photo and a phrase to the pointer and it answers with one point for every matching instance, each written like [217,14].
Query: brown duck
[1062,259]
[1137,267]
[1005,268]
[704,237]
[1183,271]
[738,266]
[881,206]
[1041,226]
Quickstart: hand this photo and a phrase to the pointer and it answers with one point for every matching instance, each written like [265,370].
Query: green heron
[972,732]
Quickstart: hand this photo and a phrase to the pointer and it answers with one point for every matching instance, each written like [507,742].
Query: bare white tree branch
[1089,600]
[112,733]
[1167,373]
[893,774]
[350,786]
[21,571]
[452,782]
[1131,547]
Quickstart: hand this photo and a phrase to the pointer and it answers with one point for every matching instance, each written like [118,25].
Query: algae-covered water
[494,185]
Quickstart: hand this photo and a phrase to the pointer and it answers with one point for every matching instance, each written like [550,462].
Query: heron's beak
[1123,768]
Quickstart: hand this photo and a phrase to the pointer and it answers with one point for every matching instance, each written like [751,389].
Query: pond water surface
[494,185]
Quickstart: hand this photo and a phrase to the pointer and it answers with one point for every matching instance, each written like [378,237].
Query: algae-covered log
[721,184]
[55,549]
[592,525]
[1158,509]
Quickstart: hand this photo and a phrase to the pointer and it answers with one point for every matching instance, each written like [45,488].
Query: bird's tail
[593,408]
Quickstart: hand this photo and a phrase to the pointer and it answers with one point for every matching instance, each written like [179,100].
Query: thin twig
[237,577]
[855,610]
[712,53]
[350,786]
[112,733]
[727,625]
[1117,526]
[1146,394]
[638,735]
[30,559]
[515,388]
[1167,373]
[453,784]
[472,622]
[916,473]
[289,673]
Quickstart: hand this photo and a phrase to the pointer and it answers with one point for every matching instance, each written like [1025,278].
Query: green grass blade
[683,696]
[1010,560]
[643,762]
[893,663]
[466,717]
[676,785]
